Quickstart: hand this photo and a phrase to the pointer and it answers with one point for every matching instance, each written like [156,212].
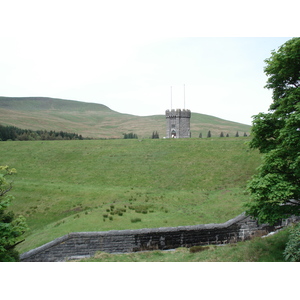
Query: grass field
[99,185]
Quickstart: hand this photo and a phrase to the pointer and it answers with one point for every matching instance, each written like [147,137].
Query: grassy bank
[68,186]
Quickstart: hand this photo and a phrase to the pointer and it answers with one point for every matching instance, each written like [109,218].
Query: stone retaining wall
[85,244]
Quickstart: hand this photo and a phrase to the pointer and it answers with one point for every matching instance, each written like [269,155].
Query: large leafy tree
[275,190]
[11,227]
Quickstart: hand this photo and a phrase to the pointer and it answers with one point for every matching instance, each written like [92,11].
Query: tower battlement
[178,113]
[178,123]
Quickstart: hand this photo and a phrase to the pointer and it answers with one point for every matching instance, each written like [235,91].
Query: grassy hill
[99,121]
[96,185]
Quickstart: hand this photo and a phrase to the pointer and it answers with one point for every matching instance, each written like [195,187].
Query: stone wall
[85,244]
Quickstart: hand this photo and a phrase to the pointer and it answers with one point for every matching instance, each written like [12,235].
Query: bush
[130,135]
[11,227]
[292,249]
[195,249]
[135,220]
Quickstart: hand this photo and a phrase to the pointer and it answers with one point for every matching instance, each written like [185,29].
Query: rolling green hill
[98,185]
[99,121]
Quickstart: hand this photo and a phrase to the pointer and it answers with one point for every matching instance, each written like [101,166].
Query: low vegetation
[99,185]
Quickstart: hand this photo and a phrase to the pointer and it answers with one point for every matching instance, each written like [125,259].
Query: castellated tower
[178,123]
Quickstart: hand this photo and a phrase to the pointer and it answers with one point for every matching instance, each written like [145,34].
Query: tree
[11,228]
[155,135]
[275,190]
[130,135]
[209,134]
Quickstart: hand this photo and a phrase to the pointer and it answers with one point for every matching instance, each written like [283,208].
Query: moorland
[98,121]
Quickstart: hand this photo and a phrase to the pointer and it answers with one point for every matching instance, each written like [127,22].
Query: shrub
[195,249]
[292,249]
[136,220]
[130,135]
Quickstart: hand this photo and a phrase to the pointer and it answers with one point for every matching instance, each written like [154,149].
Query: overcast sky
[128,54]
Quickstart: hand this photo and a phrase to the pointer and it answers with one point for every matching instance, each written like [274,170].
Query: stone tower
[178,123]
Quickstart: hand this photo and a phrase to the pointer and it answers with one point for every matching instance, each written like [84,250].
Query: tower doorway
[173,133]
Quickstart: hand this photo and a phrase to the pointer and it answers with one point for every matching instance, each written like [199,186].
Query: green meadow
[99,185]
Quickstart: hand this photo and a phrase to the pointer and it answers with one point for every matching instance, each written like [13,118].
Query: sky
[129,55]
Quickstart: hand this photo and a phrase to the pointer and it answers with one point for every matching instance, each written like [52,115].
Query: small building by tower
[178,123]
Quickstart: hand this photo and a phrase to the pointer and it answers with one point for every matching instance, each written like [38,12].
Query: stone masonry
[178,123]
[85,244]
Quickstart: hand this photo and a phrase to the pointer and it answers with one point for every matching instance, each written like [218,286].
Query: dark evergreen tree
[209,134]
[155,135]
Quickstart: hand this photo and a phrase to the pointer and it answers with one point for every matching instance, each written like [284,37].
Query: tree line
[222,134]
[17,134]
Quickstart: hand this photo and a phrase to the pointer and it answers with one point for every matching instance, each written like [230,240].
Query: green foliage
[13,133]
[135,220]
[155,135]
[209,134]
[275,190]
[11,228]
[292,249]
[130,135]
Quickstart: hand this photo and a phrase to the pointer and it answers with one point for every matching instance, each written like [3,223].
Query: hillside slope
[70,186]
[97,120]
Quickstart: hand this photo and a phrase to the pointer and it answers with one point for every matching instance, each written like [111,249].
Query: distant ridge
[99,121]
[44,103]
